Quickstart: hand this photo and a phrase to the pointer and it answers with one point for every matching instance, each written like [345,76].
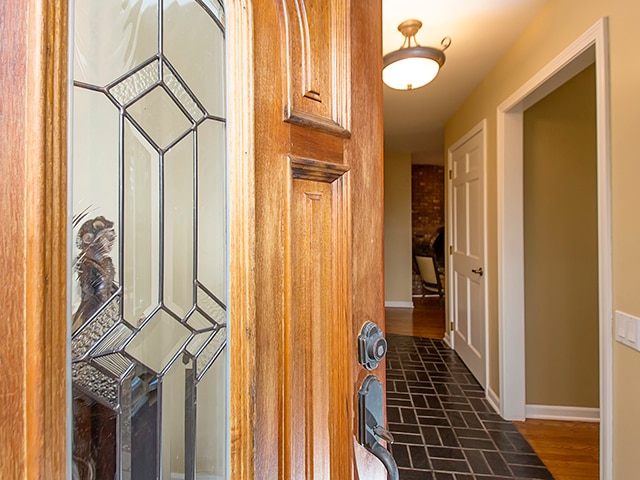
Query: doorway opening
[590,48]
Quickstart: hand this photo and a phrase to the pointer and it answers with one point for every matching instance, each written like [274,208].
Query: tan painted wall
[561,246]
[397,227]
[558,24]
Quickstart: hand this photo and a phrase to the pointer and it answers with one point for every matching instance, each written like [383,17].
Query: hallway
[445,430]
[443,427]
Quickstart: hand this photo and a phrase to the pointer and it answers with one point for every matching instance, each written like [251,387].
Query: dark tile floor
[444,428]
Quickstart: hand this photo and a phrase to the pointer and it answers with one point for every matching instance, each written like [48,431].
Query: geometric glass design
[96,382]
[212,234]
[187,29]
[200,322]
[160,117]
[150,286]
[139,425]
[114,340]
[210,306]
[141,226]
[177,229]
[137,83]
[156,344]
[211,352]
[184,97]
[197,342]
[215,9]
[111,38]
[88,335]
[210,455]
[115,363]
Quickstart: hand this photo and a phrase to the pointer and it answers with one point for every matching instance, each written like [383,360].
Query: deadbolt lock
[372,346]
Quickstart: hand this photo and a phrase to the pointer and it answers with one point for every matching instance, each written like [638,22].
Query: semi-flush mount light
[412,66]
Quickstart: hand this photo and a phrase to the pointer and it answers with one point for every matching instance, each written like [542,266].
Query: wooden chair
[429,275]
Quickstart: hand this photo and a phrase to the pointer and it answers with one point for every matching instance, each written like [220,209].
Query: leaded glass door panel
[149,281]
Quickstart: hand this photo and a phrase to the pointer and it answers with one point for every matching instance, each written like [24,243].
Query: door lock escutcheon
[371,421]
[372,346]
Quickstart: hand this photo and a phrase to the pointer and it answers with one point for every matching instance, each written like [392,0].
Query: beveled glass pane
[178,228]
[212,207]
[135,84]
[211,307]
[142,226]
[95,198]
[111,38]
[211,424]
[198,342]
[211,352]
[198,321]
[194,45]
[160,117]
[187,101]
[158,341]
[149,337]
[140,425]
[94,430]
[173,420]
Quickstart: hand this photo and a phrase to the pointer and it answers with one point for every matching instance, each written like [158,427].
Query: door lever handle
[478,271]
[371,419]
[387,460]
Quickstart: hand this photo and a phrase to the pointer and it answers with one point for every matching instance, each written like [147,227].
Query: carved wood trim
[316,170]
[318,405]
[317,64]
[45,312]
[242,282]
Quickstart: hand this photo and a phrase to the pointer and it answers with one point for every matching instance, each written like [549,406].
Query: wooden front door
[319,204]
[308,240]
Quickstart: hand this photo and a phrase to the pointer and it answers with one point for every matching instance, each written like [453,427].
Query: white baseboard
[554,412]
[398,304]
[447,340]
[494,400]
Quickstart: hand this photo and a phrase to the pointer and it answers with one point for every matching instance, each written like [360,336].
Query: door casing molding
[589,47]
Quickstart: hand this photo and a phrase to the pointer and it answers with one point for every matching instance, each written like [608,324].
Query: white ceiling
[481,31]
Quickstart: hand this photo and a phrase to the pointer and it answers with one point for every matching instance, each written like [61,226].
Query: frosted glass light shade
[410,73]
[411,68]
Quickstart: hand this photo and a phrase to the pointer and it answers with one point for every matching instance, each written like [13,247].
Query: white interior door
[467,285]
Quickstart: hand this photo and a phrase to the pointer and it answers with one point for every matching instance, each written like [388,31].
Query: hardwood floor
[425,320]
[570,450]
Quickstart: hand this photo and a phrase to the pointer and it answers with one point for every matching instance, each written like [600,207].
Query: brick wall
[427,207]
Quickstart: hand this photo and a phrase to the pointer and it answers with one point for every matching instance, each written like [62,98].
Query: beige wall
[558,24]
[561,246]
[397,227]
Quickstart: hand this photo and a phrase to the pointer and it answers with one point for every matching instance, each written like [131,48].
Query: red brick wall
[427,207]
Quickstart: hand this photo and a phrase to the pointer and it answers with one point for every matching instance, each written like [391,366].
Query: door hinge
[450,174]
[451,327]
[450,249]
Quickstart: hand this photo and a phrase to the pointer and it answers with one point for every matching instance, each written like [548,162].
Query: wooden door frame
[36,421]
[479,128]
[592,45]
[33,180]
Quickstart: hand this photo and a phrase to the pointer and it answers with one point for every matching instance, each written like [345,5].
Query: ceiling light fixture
[412,66]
